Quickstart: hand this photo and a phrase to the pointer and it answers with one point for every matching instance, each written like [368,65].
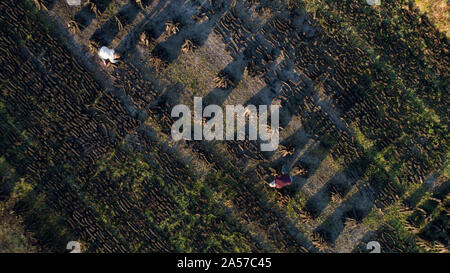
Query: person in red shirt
[281,181]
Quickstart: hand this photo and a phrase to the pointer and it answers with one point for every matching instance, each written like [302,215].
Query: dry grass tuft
[438,11]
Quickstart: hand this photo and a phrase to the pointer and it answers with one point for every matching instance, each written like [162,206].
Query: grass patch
[438,11]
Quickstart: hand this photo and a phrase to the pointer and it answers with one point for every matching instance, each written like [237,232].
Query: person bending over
[108,55]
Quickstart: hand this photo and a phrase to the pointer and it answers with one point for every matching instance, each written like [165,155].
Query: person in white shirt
[107,54]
